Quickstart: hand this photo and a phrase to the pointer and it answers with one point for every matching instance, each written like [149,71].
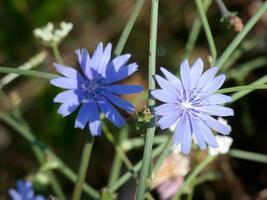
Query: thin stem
[225,12]
[64,169]
[207,30]
[118,148]
[125,177]
[57,54]
[31,63]
[149,137]
[246,155]
[242,88]
[87,149]
[129,25]
[192,176]
[27,72]
[240,36]
[194,32]
[117,161]
[242,93]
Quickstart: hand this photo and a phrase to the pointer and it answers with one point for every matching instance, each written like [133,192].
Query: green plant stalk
[149,137]
[64,169]
[194,32]
[125,177]
[129,144]
[192,176]
[117,161]
[239,73]
[118,148]
[163,155]
[207,30]
[246,155]
[128,27]
[245,47]
[86,154]
[242,93]
[57,54]
[27,72]
[242,88]
[31,63]
[240,36]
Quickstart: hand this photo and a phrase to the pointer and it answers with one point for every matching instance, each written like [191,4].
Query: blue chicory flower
[191,102]
[24,191]
[96,88]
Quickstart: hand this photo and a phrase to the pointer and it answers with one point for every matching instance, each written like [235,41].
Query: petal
[196,72]
[97,56]
[65,83]
[207,76]
[124,89]
[218,99]
[172,78]
[85,62]
[198,134]
[66,95]
[214,84]
[94,119]
[164,96]
[121,103]
[70,105]
[67,71]
[15,195]
[186,141]
[111,113]
[216,110]
[165,109]
[114,75]
[83,116]
[105,59]
[120,61]
[206,132]
[215,124]
[168,120]
[166,85]
[181,129]
[185,73]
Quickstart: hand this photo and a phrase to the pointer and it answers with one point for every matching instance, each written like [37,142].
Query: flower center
[92,89]
[186,105]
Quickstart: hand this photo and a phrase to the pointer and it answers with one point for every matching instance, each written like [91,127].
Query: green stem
[246,155]
[125,177]
[128,27]
[27,72]
[57,54]
[31,63]
[87,149]
[118,148]
[194,32]
[240,94]
[240,36]
[242,88]
[207,30]
[151,85]
[225,12]
[64,169]
[117,161]
[192,176]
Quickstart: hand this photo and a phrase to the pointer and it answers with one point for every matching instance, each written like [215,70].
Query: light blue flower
[96,88]
[24,191]
[191,102]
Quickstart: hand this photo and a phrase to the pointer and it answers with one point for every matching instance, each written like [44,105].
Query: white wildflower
[51,36]
[224,143]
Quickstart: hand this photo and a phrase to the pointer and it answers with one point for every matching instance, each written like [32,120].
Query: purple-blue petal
[206,77]
[68,72]
[216,110]
[66,95]
[97,57]
[120,102]
[207,134]
[111,113]
[66,83]
[85,61]
[164,96]
[94,119]
[175,81]
[185,73]
[83,116]
[124,89]
[165,109]
[218,99]
[196,72]
[105,60]
[168,120]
